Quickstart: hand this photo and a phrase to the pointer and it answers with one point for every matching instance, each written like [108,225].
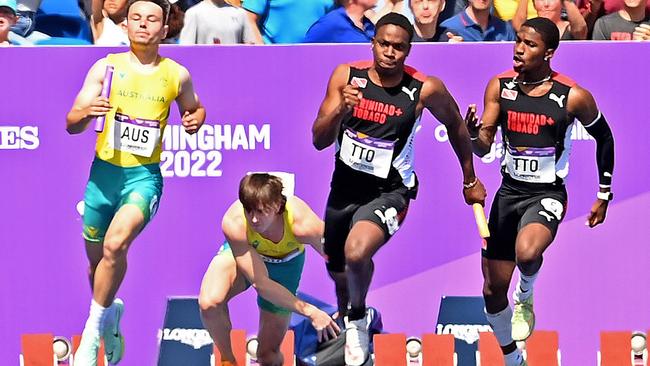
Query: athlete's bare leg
[221,283]
[532,241]
[496,280]
[342,294]
[363,241]
[109,273]
[273,328]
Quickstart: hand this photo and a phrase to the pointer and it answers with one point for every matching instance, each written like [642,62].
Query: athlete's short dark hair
[164,5]
[547,29]
[398,20]
[261,190]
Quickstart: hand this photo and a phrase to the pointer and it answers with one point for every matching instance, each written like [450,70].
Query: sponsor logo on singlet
[375,111]
[527,123]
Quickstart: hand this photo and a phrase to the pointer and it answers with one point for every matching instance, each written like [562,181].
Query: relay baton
[106,92]
[481,222]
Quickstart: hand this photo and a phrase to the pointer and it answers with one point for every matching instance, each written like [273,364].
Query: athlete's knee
[114,249]
[494,293]
[210,301]
[528,253]
[269,357]
[92,267]
[356,252]
[338,276]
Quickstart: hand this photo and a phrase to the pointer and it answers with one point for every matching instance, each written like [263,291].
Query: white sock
[96,317]
[524,289]
[501,323]
[514,358]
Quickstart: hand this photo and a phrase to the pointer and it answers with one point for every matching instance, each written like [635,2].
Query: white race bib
[531,164]
[136,136]
[366,154]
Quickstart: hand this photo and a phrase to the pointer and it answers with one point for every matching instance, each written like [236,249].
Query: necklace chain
[547,78]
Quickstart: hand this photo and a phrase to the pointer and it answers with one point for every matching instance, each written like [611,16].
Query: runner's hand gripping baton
[481,222]
[106,92]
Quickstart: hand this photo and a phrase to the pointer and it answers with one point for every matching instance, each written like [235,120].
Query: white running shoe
[357,340]
[113,339]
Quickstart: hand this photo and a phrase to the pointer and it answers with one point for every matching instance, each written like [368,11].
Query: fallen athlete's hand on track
[597,213]
[190,123]
[475,194]
[325,326]
[351,96]
[471,121]
[98,107]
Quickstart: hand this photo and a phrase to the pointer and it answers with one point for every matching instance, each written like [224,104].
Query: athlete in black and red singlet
[371,111]
[535,108]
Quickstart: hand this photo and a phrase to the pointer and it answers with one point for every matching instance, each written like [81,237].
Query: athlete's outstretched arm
[482,132]
[252,267]
[582,105]
[442,105]
[339,100]
[307,226]
[88,104]
[189,105]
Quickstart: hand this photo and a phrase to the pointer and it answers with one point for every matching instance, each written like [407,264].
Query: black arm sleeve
[600,130]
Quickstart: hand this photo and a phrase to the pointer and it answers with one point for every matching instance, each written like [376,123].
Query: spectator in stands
[590,10]
[284,21]
[426,13]
[26,12]
[186,4]
[631,22]
[611,6]
[175,22]
[7,19]
[572,29]
[476,23]
[345,24]
[108,22]
[452,7]
[506,9]
[385,7]
[216,22]
[594,9]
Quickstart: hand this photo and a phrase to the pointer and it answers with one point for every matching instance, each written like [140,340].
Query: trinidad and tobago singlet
[536,131]
[375,141]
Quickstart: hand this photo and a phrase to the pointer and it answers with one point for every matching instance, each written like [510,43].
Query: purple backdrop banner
[261,102]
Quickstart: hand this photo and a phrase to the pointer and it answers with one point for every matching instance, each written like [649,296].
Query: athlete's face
[550,9]
[390,47]
[261,218]
[530,50]
[426,11]
[145,23]
[115,7]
